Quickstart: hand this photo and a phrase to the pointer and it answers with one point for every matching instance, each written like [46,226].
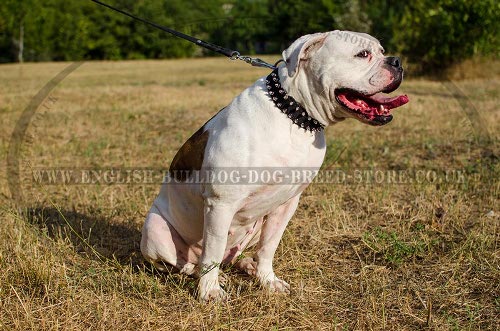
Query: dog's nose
[393,61]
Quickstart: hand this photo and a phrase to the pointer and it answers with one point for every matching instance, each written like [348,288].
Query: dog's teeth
[383,110]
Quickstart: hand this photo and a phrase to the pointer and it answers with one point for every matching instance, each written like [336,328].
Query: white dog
[199,221]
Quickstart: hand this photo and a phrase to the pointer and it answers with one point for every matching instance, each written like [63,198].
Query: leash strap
[232,54]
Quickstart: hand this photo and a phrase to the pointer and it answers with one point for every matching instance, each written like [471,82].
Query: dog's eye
[364,53]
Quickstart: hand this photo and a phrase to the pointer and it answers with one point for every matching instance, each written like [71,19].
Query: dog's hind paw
[188,269]
[248,265]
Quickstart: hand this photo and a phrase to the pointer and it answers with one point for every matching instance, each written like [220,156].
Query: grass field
[359,255]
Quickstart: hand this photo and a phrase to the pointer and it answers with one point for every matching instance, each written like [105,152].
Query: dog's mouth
[371,109]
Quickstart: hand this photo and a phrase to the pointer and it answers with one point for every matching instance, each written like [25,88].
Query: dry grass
[358,256]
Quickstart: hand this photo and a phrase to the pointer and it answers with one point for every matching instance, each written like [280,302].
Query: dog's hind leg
[161,244]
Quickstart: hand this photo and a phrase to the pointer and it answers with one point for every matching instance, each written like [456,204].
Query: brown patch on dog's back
[190,156]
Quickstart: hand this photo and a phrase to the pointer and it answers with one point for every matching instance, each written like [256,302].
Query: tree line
[431,33]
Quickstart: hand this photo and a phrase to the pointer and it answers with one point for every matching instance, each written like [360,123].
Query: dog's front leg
[261,265]
[217,220]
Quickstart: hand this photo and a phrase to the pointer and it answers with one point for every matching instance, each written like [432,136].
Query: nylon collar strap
[288,106]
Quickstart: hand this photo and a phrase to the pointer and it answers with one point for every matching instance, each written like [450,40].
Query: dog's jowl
[201,220]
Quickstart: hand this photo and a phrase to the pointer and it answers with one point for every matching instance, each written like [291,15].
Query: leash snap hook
[254,61]
[235,55]
[238,56]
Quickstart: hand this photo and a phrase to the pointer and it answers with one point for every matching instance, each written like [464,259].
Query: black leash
[233,55]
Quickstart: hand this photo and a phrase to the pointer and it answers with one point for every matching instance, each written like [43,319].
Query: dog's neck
[289,106]
[315,99]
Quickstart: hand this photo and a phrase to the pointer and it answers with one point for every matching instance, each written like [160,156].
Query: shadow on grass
[90,233]
[100,238]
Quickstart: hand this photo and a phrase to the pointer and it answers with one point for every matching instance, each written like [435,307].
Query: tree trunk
[21,43]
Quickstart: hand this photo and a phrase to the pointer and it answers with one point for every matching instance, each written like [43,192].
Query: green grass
[358,255]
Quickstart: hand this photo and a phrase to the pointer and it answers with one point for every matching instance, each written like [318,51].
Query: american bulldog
[196,223]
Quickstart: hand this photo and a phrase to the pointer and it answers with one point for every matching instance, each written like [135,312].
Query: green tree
[15,18]
[436,34]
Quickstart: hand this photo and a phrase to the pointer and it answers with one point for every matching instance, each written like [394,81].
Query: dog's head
[342,74]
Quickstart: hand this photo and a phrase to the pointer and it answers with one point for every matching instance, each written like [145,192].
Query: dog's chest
[265,200]
[289,176]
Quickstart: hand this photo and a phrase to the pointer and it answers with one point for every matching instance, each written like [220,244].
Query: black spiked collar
[288,106]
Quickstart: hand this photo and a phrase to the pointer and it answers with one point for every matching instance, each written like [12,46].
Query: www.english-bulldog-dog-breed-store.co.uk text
[198,225]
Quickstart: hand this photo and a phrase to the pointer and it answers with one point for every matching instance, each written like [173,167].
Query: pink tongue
[390,102]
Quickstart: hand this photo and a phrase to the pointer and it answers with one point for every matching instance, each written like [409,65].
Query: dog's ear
[301,50]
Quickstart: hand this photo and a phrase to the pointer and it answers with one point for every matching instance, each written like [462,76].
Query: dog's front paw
[210,291]
[267,279]
[215,294]
[272,283]
[276,285]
